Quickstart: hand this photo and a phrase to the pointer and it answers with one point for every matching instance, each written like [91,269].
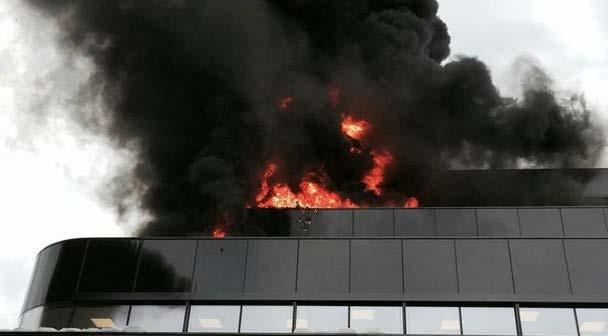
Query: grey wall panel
[497,222]
[430,267]
[587,262]
[414,222]
[374,222]
[332,223]
[484,267]
[220,266]
[584,222]
[271,266]
[323,266]
[376,266]
[455,222]
[540,222]
[539,267]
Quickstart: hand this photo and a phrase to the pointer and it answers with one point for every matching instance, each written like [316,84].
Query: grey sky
[51,169]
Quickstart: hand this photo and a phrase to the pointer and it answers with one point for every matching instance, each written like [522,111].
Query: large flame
[375,177]
[355,129]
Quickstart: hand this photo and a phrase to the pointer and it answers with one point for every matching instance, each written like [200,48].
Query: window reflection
[387,320]
[47,317]
[321,318]
[592,321]
[432,320]
[217,319]
[101,317]
[157,318]
[267,319]
[548,321]
[488,321]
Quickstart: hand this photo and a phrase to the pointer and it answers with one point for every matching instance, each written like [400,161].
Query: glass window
[48,317]
[432,320]
[158,318]
[109,266]
[387,320]
[488,321]
[592,321]
[267,319]
[217,319]
[321,318]
[548,321]
[101,317]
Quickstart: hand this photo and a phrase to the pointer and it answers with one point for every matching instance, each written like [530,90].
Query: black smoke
[194,85]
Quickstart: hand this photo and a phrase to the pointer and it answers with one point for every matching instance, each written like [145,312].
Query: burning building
[322,166]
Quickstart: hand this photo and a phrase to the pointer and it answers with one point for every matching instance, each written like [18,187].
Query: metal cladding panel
[587,262]
[583,222]
[456,222]
[331,223]
[414,222]
[497,222]
[539,267]
[376,266]
[374,223]
[166,266]
[323,266]
[540,222]
[430,267]
[57,271]
[271,266]
[220,266]
[98,277]
[484,267]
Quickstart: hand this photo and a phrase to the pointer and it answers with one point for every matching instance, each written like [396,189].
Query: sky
[52,172]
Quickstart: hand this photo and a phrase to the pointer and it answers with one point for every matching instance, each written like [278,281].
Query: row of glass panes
[419,320]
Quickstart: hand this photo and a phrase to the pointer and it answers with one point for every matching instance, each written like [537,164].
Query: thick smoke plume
[200,88]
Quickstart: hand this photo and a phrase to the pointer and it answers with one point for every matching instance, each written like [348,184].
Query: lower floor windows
[307,318]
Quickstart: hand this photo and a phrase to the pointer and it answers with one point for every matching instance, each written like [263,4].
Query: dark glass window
[41,279]
[321,319]
[592,321]
[488,321]
[100,317]
[266,319]
[414,222]
[166,265]
[548,321]
[377,320]
[584,222]
[157,318]
[374,222]
[432,320]
[216,319]
[540,222]
[456,222]
[46,317]
[497,222]
[109,266]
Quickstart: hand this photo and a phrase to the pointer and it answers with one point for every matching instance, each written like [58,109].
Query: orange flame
[411,202]
[375,177]
[355,129]
[218,233]
[285,103]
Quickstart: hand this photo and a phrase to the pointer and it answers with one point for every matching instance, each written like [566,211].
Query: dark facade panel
[374,223]
[497,222]
[109,266]
[376,266]
[539,267]
[220,266]
[56,273]
[323,266]
[584,222]
[430,267]
[271,266]
[166,266]
[415,222]
[540,222]
[456,222]
[587,262]
[331,223]
[484,267]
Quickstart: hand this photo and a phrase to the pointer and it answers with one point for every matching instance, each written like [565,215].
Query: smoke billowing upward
[213,92]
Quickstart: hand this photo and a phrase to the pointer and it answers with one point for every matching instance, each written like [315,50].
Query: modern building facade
[427,271]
